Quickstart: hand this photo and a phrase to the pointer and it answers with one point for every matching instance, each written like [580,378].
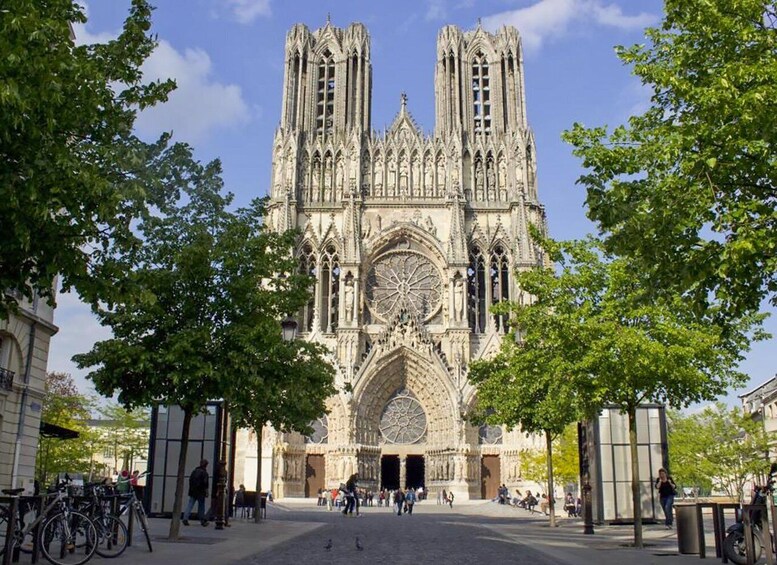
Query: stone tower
[411,238]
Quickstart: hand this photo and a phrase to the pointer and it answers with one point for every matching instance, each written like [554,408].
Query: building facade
[411,237]
[761,404]
[24,351]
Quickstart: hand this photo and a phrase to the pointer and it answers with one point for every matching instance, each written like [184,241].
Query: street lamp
[289,328]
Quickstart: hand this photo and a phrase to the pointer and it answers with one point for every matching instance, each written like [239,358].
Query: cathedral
[411,237]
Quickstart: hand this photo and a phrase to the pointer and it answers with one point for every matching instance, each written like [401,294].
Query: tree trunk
[636,499]
[175,523]
[258,502]
[551,495]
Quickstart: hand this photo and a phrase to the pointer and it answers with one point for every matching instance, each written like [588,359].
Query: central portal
[389,472]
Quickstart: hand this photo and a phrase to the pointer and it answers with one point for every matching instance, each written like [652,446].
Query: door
[314,474]
[490,475]
[389,471]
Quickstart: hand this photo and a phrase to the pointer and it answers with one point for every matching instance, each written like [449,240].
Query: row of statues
[331,180]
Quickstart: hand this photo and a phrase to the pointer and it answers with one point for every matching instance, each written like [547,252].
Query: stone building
[24,351]
[411,237]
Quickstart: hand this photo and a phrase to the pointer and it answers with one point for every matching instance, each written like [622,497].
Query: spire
[457,243]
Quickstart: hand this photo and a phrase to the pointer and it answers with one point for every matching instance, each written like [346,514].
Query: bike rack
[716,517]
[13,511]
[767,535]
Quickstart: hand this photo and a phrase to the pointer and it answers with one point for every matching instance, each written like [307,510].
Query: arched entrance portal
[404,407]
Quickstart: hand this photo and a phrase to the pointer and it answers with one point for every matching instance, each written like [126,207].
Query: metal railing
[6,379]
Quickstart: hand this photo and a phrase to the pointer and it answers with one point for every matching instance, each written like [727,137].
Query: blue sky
[227,57]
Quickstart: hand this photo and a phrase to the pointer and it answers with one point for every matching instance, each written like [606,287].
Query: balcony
[6,379]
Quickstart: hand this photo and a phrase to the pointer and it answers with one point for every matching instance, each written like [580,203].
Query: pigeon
[358,545]
[328,545]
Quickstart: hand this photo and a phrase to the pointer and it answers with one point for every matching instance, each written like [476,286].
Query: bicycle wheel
[143,519]
[18,537]
[112,538]
[68,538]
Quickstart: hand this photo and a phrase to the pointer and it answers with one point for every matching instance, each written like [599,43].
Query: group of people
[444,497]
[199,483]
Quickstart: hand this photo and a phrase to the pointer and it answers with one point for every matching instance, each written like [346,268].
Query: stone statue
[314,194]
[328,179]
[430,227]
[458,299]
[392,179]
[348,300]
[491,179]
[340,175]
[428,177]
[479,181]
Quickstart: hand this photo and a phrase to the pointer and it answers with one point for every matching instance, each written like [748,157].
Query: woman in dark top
[666,491]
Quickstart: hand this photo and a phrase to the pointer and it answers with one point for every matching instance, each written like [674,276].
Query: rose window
[490,435]
[403,419]
[320,431]
[403,279]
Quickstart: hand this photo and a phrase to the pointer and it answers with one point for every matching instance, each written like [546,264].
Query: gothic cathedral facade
[410,237]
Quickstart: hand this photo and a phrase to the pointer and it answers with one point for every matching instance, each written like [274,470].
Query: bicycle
[112,537]
[134,506]
[62,532]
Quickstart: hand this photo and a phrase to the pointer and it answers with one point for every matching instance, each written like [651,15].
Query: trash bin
[687,528]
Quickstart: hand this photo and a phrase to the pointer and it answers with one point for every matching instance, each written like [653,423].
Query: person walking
[350,494]
[198,492]
[667,490]
[399,501]
[450,499]
[410,500]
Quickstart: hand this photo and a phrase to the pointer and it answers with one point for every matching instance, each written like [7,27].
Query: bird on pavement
[328,545]
[358,545]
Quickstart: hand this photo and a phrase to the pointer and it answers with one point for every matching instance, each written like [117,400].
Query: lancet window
[308,266]
[476,290]
[330,289]
[481,94]
[500,287]
[325,95]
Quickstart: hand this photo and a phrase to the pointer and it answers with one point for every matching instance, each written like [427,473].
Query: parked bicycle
[133,507]
[65,537]
[112,537]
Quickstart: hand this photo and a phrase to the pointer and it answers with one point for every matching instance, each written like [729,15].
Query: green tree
[64,406]
[720,447]
[286,386]
[526,384]
[688,188]
[125,433]
[73,176]
[566,466]
[205,278]
[602,328]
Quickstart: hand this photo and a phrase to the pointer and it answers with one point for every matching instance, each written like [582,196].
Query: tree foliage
[566,460]
[689,188]
[610,341]
[125,433]
[718,448]
[211,285]
[64,406]
[73,175]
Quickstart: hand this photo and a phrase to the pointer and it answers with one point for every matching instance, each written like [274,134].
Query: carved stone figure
[392,179]
[378,178]
[479,181]
[430,227]
[348,297]
[491,180]
[458,299]
[340,175]
[314,194]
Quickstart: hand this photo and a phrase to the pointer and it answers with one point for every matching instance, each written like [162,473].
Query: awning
[53,430]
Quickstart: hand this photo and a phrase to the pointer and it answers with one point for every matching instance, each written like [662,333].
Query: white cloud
[551,19]
[246,11]
[199,104]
